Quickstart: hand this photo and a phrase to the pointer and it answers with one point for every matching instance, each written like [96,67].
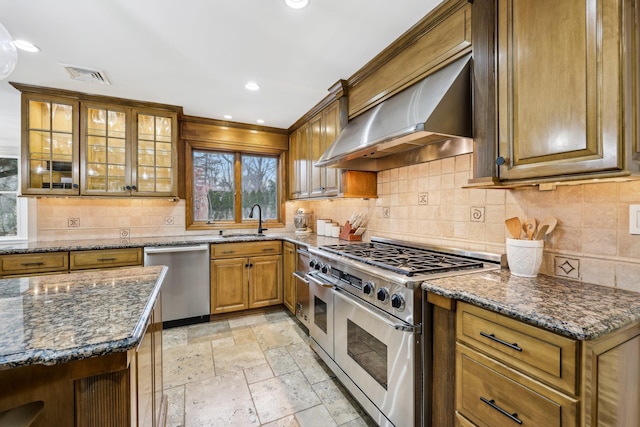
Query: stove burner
[403,260]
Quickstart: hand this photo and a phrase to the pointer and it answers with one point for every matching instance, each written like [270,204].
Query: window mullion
[238,187]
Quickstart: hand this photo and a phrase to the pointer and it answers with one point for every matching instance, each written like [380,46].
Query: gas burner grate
[403,260]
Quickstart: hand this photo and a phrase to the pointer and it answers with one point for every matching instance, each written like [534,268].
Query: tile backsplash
[421,203]
[426,203]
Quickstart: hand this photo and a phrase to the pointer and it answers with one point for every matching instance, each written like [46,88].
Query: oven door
[321,313]
[378,353]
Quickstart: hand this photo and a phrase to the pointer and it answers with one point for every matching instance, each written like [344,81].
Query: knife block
[346,233]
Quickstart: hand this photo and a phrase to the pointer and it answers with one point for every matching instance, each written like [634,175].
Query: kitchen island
[568,349]
[86,344]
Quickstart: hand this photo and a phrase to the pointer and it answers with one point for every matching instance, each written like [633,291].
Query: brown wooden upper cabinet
[566,88]
[306,145]
[78,144]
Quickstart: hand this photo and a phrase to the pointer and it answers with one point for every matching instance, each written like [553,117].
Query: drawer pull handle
[268,249]
[228,252]
[513,346]
[107,259]
[32,264]
[492,403]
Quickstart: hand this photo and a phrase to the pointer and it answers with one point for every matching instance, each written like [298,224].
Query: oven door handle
[319,282]
[300,276]
[381,315]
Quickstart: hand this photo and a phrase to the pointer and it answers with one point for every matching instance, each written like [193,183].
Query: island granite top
[59,318]
[574,309]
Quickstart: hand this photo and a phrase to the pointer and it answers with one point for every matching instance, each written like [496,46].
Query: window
[9,227]
[225,187]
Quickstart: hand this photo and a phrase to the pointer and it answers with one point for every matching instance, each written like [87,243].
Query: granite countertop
[59,318]
[574,309]
[94,244]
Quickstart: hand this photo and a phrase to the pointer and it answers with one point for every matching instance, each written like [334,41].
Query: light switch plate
[634,219]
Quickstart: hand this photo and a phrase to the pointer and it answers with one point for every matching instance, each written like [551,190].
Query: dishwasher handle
[171,249]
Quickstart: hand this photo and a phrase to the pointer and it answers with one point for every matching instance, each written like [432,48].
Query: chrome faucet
[260,229]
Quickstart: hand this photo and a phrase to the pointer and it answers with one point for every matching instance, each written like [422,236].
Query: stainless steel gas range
[366,318]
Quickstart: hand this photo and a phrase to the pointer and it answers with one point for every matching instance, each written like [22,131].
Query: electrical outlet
[168,220]
[386,212]
[124,233]
[423,198]
[634,219]
[477,214]
[73,222]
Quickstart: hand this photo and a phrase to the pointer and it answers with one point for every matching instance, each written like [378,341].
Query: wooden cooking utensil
[529,227]
[513,226]
[542,230]
[550,222]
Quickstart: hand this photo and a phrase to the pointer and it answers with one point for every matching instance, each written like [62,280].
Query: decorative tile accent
[566,267]
[477,214]
[73,222]
[423,198]
[124,233]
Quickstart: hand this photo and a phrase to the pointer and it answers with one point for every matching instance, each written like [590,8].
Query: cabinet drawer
[539,353]
[33,263]
[83,260]
[222,250]
[491,394]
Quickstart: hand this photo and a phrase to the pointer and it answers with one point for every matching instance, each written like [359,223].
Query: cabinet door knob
[134,188]
[500,161]
[128,187]
[74,185]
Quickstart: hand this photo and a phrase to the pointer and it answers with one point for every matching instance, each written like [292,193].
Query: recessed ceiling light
[252,86]
[260,121]
[228,116]
[26,46]
[296,4]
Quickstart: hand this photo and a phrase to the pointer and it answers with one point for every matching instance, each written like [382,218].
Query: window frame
[21,206]
[238,222]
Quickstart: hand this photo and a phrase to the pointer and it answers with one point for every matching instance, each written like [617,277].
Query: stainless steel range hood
[429,120]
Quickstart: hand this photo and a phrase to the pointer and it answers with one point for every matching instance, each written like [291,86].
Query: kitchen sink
[244,235]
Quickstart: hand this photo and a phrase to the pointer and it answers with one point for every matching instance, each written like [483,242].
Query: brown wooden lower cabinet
[118,389]
[549,380]
[245,275]
[20,265]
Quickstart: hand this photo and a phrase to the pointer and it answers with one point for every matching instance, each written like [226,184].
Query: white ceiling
[199,53]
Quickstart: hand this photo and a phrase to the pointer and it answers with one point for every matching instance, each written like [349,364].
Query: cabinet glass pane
[106,149]
[50,145]
[62,117]
[116,151]
[39,115]
[163,129]
[154,153]
[96,149]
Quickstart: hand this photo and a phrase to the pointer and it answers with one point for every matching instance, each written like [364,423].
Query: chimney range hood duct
[431,119]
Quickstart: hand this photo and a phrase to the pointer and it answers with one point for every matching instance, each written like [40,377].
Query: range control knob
[383,294]
[367,288]
[397,301]
[325,268]
[313,263]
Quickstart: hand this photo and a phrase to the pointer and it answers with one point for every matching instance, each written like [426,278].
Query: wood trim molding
[339,90]
[431,20]
[82,96]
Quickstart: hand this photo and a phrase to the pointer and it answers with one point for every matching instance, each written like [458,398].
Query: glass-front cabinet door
[50,150]
[105,154]
[155,153]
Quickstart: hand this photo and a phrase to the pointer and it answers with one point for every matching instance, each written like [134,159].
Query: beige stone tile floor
[255,370]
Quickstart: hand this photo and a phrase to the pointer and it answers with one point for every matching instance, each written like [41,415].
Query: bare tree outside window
[8,197]
[213,186]
[259,185]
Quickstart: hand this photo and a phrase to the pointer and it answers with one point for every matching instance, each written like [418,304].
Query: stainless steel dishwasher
[185,291]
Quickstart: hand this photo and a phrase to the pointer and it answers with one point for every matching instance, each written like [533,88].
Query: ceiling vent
[86,74]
